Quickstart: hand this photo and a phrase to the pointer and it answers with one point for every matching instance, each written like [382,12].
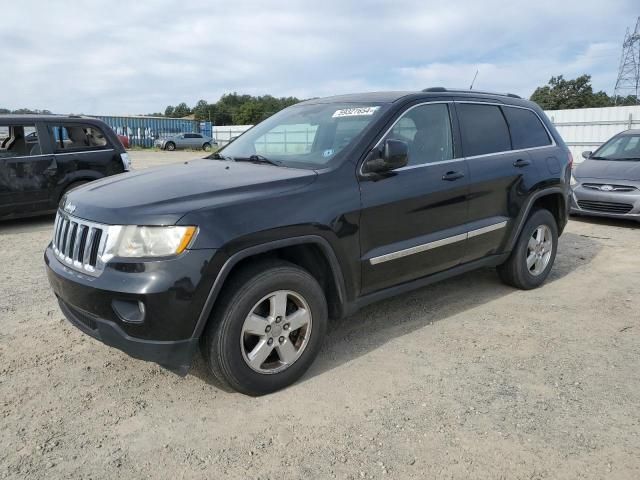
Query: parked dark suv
[43,156]
[324,207]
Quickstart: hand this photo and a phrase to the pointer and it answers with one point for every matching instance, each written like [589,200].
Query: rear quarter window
[484,129]
[74,137]
[526,128]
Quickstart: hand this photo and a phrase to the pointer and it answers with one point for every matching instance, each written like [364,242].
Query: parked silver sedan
[186,140]
[607,183]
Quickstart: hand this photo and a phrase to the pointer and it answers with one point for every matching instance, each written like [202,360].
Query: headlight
[132,241]
[573,182]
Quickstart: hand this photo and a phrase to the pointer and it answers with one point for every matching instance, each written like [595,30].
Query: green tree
[566,94]
[168,112]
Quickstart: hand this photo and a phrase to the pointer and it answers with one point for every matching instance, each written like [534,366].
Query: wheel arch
[311,252]
[553,199]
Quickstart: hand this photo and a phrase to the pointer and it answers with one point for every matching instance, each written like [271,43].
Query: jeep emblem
[69,208]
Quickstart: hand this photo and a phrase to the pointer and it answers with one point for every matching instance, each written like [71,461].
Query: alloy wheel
[539,250]
[276,332]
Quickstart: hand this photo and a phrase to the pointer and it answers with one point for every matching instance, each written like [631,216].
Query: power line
[628,82]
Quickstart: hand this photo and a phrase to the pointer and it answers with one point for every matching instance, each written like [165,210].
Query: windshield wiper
[217,156]
[258,159]
[599,158]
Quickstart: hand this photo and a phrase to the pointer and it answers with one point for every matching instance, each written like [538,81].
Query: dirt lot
[464,379]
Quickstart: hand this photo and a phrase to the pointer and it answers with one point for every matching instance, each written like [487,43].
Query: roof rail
[457,90]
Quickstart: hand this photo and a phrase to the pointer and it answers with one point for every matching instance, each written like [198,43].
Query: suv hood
[161,196]
[609,170]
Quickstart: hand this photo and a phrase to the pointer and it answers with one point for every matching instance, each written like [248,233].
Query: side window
[427,130]
[526,129]
[294,139]
[76,137]
[484,129]
[19,141]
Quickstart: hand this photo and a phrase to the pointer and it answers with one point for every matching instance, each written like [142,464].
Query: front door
[27,174]
[413,220]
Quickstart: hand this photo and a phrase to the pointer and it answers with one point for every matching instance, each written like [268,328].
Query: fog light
[129,311]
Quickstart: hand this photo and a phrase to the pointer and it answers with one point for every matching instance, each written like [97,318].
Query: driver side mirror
[394,154]
[587,154]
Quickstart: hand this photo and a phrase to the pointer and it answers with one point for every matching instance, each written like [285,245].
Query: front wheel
[531,260]
[267,329]
[206,147]
[170,146]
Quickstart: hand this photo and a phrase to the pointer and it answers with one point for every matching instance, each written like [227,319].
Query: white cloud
[137,57]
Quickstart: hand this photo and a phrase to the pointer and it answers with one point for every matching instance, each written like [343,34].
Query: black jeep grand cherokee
[326,206]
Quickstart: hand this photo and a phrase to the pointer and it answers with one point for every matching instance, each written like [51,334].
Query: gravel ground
[463,379]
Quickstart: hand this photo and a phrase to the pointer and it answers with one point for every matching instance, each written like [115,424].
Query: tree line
[560,94]
[242,109]
[232,109]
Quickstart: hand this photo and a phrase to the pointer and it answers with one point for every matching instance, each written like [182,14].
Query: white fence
[587,128]
[582,128]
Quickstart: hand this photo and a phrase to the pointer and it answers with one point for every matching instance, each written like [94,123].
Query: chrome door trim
[437,243]
[487,229]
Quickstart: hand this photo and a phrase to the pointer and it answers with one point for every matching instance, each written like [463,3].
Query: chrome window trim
[64,153]
[553,140]
[436,243]
[456,159]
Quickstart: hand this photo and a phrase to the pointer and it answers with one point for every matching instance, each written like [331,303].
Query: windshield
[305,136]
[624,147]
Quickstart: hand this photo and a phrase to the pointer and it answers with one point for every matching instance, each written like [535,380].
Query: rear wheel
[170,146]
[267,329]
[531,260]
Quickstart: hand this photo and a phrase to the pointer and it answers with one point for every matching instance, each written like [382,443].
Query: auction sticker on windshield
[354,112]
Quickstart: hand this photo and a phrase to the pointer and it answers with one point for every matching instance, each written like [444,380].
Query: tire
[170,146]
[206,147]
[516,271]
[230,341]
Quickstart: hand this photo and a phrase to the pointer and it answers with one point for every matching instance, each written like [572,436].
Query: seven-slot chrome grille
[78,243]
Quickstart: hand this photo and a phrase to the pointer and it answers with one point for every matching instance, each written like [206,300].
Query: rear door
[82,152]
[502,172]
[28,172]
[413,220]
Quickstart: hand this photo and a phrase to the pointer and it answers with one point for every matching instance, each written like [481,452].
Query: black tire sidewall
[206,147]
[170,146]
[540,217]
[227,341]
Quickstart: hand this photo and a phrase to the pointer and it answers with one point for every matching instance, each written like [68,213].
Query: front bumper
[172,293]
[587,201]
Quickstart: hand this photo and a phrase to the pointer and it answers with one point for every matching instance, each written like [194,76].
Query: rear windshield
[624,147]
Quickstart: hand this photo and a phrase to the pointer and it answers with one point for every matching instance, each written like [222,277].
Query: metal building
[142,131]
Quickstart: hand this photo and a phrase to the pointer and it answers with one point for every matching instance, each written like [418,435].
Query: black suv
[326,206]
[43,156]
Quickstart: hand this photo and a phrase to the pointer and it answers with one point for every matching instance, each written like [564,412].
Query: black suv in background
[322,208]
[43,156]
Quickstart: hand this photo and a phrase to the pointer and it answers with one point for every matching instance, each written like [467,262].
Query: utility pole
[628,82]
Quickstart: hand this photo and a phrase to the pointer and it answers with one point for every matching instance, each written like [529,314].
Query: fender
[263,248]
[524,213]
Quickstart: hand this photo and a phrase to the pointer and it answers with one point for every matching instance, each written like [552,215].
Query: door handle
[521,163]
[451,176]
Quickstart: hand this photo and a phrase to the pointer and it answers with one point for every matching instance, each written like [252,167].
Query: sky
[131,57]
